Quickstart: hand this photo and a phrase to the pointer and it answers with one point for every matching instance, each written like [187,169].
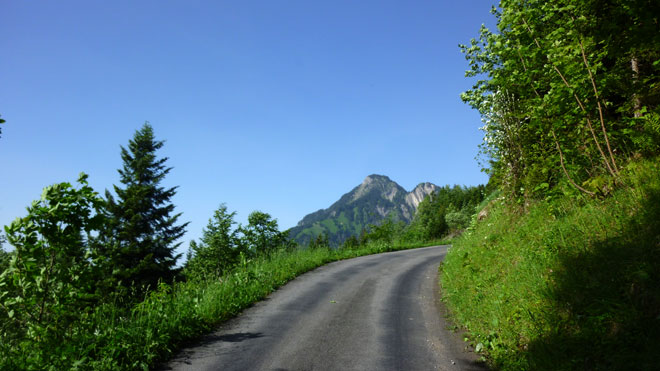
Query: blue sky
[279,106]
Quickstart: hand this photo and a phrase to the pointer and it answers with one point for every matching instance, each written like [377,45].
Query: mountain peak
[376,178]
[377,183]
[373,200]
[417,195]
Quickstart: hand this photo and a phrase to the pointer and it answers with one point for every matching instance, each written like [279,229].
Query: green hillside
[371,202]
[561,270]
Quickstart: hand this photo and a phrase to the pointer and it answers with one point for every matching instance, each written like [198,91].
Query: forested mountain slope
[376,198]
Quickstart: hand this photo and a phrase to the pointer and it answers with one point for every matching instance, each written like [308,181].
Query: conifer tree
[218,250]
[142,233]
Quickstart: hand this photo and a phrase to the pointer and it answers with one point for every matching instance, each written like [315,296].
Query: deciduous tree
[51,278]
[562,90]
[262,235]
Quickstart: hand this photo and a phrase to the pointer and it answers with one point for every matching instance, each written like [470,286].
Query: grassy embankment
[118,338]
[570,285]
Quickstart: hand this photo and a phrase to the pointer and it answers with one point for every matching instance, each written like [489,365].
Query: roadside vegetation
[571,284]
[116,335]
[561,271]
[92,282]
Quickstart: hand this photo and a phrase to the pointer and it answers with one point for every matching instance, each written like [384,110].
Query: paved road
[376,312]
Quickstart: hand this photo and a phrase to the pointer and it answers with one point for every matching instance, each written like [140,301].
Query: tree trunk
[637,102]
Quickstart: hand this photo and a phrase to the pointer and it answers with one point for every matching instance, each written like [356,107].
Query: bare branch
[582,107]
[561,160]
[600,108]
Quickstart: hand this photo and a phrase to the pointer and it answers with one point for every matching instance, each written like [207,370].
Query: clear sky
[278,106]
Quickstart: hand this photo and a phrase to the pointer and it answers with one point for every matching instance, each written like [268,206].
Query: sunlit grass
[116,336]
[570,285]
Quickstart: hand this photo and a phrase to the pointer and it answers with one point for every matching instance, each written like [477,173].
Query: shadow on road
[231,338]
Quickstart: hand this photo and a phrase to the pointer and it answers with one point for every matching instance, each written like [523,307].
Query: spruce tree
[141,236]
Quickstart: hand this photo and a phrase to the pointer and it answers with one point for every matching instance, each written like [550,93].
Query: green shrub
[125,336]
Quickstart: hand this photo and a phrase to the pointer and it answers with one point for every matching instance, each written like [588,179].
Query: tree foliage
[261,234]
[142,232]
[320,242]
[5,257]
[223,247]
[219,248]
[386,231]
[568,89]
[50,281]
[446,210]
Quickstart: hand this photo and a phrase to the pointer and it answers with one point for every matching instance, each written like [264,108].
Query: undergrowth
[569,285]
[116,336]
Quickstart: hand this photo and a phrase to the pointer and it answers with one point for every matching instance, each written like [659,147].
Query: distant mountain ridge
[369,203]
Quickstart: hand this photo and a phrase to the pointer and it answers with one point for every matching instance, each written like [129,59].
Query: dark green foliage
[5,257]
[49,284]
[448,209]
[218,250]
[429,222]
[1,122]
[350,243]
[320,242]
[141,237]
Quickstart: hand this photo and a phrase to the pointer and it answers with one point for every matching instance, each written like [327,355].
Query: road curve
[376,312]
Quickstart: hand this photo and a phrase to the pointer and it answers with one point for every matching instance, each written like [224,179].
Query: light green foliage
[570,285]
[49,283]
[367,204]
[569,94]
[558,93]
[387,231]
[330,225]
[218,249]
[114,336]
[261,235]
[458,219]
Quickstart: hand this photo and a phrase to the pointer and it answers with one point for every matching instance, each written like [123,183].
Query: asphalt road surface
[376,312]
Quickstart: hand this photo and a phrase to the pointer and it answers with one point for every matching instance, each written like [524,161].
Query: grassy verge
[116,338]
[571,285]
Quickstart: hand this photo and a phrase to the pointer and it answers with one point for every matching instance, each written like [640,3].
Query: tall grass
[570,285]
[115,336]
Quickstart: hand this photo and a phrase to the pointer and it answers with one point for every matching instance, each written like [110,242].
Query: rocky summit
[376,198]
